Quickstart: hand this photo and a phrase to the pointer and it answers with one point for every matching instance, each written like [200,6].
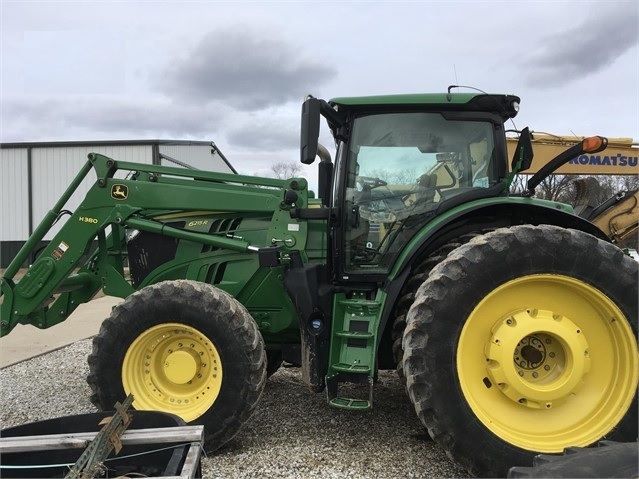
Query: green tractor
[511,321]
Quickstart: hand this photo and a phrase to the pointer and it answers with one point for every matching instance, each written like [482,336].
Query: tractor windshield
[401,166]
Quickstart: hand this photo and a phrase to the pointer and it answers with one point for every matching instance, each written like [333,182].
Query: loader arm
[89,252]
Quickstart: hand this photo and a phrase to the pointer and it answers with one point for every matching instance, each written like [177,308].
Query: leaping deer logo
[119,192]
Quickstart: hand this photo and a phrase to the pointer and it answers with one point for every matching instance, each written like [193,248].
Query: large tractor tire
[524,341]
[185,348]
[609,459]
[407,296]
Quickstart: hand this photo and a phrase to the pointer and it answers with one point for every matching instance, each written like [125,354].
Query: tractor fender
[485,215]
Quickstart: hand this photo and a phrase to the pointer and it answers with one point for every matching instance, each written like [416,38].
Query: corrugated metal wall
[14,194]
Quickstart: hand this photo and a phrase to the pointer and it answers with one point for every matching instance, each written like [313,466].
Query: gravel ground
[293,434]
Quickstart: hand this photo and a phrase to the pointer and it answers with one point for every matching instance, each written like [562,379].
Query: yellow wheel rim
[173,368]
[547,361]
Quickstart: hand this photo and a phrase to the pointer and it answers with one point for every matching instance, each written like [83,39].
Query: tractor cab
[402,161]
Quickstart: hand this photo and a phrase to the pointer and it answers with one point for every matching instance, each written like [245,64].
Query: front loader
[511,321]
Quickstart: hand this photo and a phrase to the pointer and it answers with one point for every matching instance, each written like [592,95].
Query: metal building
[33,176]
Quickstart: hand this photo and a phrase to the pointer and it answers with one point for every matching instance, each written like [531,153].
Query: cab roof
[501,104]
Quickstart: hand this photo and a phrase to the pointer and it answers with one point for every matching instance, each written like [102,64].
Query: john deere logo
[119,192]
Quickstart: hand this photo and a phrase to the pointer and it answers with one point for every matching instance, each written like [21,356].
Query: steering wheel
[370,182]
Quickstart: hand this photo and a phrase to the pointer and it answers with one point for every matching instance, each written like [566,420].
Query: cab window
[400,167]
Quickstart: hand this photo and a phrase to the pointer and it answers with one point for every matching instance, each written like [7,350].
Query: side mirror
[309,130]
[592,144]
[522,159]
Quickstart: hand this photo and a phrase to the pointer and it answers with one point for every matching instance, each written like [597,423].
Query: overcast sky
[236,72]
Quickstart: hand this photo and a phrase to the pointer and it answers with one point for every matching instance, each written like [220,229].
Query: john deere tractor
[511,321]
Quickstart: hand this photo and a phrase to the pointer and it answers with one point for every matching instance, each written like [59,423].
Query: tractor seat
[426,190]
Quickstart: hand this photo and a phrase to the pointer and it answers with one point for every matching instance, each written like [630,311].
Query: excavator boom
[621,157]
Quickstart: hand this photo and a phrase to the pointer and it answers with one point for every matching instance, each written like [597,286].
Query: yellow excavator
[618,216]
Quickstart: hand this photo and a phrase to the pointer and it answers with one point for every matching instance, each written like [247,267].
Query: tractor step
[351,404]
[352,368]
[353,352]
[354,334]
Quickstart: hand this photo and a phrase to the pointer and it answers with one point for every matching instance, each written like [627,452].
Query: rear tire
[524,341]
[185,348]
[407,296]
[406,299]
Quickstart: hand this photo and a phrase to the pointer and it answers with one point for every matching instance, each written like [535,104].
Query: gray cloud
[245,70]
[105,117]
[96,117]
[209,93]
[587,48]
[265,136]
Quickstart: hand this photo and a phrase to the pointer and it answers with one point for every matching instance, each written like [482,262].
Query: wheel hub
[180,367]
[531,355]
[537,358]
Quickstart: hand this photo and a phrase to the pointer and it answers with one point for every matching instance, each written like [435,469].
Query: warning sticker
[60,250]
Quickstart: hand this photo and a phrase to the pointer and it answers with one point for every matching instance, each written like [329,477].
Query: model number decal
[198,223]
[86,219]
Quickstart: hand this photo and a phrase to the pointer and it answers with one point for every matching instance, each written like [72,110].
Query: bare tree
[627,182]
[562,187]
[557,188]
[404,177]
[554,187]
[518,185]
[286,169]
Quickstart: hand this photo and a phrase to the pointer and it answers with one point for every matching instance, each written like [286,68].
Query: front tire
[185,348]
[524,341]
